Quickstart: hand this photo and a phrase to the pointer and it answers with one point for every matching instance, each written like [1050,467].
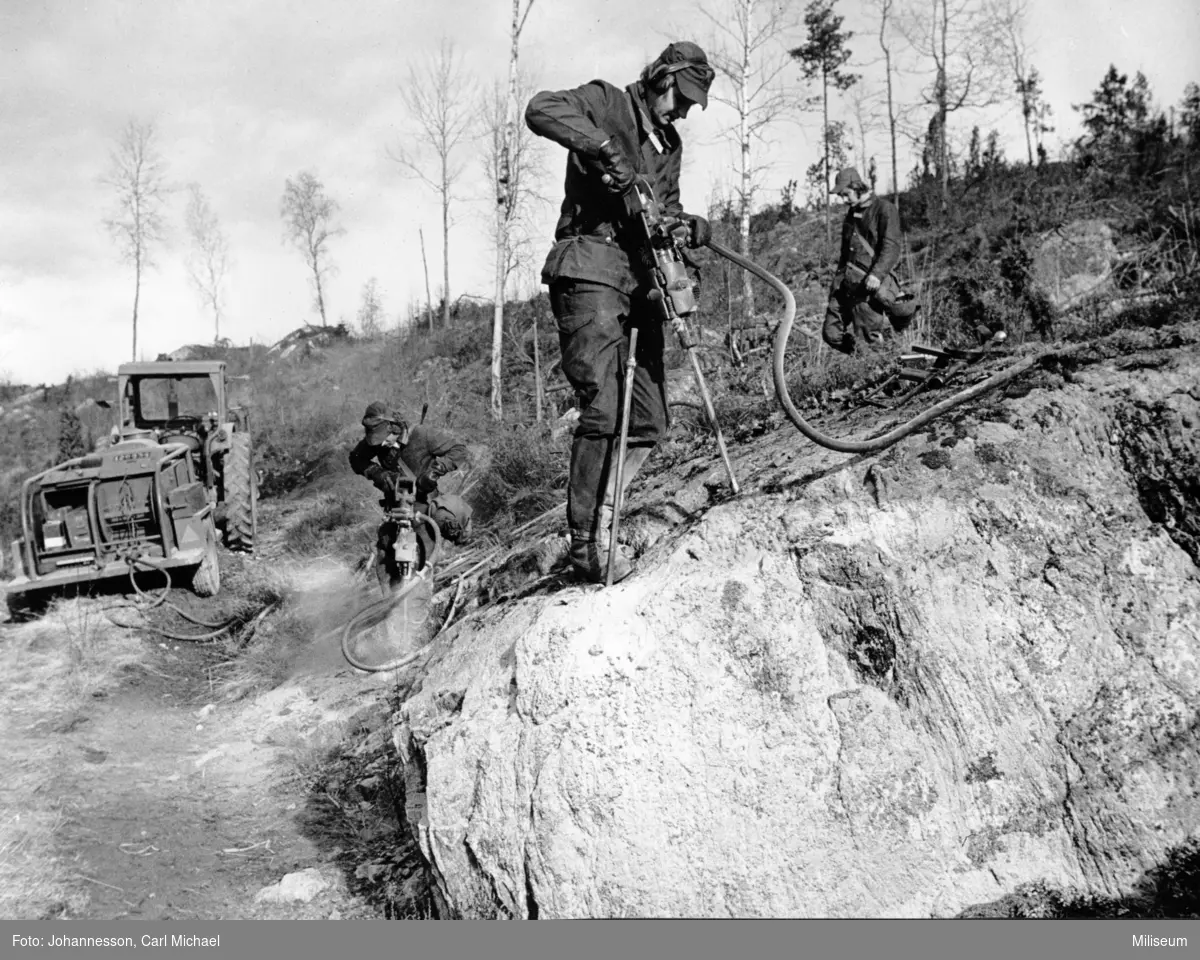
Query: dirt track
[134,793]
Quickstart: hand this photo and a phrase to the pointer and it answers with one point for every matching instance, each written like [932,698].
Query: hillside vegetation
[969,257]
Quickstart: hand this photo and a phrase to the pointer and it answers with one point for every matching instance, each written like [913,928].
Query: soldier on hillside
[391,446]
[614,135]
[865,297]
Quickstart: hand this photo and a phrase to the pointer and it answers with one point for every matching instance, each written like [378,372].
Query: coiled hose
[376,612]
[783,332]
[148,601]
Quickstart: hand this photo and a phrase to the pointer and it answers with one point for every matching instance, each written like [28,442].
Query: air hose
[149,601]
[783,331]
[374,612]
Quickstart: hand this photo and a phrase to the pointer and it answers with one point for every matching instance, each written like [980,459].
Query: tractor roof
[171,368]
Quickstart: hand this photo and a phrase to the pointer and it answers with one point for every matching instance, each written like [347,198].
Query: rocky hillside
[903,684]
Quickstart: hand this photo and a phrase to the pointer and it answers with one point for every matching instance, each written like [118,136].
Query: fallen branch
[99,883]
[253,846]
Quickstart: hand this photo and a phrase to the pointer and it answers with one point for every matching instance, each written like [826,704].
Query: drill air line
[783,331]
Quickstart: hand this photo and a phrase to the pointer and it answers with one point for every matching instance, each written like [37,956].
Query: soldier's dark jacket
[871,239]
[429,452]
[588,246]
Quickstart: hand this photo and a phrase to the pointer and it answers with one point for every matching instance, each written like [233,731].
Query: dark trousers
[594,321]
[850,316]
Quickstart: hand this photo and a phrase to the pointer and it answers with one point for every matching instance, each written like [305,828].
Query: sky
[247,93]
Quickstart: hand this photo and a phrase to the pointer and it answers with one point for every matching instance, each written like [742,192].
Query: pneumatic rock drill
[670,291]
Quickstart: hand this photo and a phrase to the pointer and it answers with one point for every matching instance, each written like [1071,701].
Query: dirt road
[135,789]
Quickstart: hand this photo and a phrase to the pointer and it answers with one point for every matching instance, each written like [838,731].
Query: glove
[618,171]
[384,480]
[700,231]
[426,483]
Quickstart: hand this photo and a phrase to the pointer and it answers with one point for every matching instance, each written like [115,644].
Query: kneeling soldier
[428,453]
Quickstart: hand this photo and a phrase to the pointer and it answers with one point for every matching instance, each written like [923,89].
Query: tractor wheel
[241,495]
[206,581]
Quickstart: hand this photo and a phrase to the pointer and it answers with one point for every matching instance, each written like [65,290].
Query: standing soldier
[390,446]
[865,296]
[597,293]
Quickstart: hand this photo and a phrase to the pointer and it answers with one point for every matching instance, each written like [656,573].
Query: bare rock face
[885,686]
[1074,262]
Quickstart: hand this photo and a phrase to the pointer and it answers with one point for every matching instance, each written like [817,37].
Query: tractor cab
[186,402]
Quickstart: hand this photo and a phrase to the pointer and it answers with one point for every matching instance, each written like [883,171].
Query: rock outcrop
[896,685]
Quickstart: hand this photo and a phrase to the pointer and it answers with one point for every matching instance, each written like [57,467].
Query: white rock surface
[889,686]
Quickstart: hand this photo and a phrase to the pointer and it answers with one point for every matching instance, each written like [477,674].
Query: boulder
[892,686]
[1074,262]
[299,887]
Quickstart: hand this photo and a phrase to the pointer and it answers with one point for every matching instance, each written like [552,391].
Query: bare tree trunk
[320,298]
[1025,111]
[943,110]
[729,306]
[137,292]
[891,107]
[538,394]
[504,208]
[498,313]
[825,142]
[428,296]
[747,171]
[445,252]
[498,316]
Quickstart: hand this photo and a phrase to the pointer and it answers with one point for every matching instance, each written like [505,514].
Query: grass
[51,669]
[34,884]
[342,523]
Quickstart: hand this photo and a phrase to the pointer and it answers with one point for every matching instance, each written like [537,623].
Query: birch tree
[308,216]
[885,10]
[1011,17]
[748,50]
[508,150]
[208,259]
[438,96]
[137,176]
[962,45]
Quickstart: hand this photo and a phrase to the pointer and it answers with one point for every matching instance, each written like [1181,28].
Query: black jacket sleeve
[887,250]
[446,452]
[571,117]
[362,461]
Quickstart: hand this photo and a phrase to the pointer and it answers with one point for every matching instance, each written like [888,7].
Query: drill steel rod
[618,499]
[711,412]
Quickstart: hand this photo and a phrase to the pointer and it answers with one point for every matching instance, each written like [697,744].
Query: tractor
[176,468]
[134,507]
[187,402]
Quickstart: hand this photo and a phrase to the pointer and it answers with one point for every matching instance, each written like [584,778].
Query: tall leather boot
[589,548]
[635,458]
